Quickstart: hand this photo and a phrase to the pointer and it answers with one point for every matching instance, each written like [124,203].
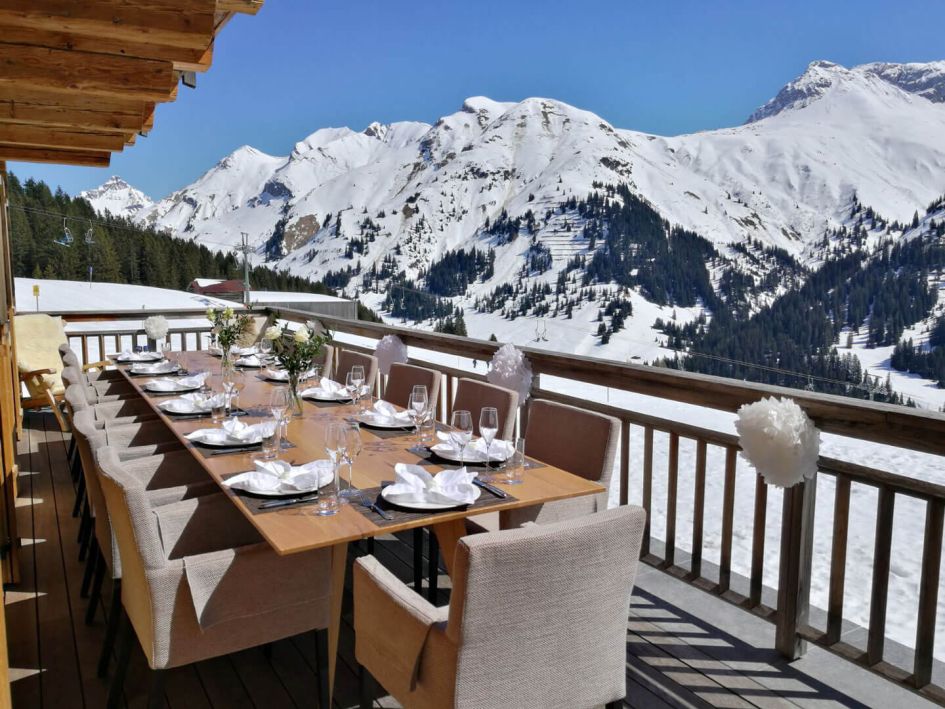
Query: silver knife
[286,503]
[491,488]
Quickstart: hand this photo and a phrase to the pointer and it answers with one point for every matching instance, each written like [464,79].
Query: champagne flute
[280,399]
[418,404]
[352,449]
[488,428]
[336,446]
[461,428]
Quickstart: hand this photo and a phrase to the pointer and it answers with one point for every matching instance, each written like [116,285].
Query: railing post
[797,541]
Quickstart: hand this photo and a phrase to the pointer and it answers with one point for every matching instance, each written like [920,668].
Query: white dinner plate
[336,397]
[374,423]
[446,452]
[428,505]
[138,357]
[182,390]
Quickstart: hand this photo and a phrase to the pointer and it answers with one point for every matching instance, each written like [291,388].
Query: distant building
[231,290]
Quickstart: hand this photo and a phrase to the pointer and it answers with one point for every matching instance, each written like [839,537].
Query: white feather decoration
[390,350]
[155,327]
[779,440]
[511,370]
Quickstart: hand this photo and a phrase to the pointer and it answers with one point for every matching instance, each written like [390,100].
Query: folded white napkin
[233,432]
[194,381]
[194,403]
[281,375]
[234,351]
[475,451]
[326,389]
[281,477]
[157,368]
[413,484]
[129,356]
[249,361]
[386,414]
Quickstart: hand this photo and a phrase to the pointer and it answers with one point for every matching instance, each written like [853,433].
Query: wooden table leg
[448,534]
[339,563]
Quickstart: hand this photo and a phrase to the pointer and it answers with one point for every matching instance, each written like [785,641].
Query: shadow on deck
[684,647]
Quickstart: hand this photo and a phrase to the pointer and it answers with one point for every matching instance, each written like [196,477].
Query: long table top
[298,528]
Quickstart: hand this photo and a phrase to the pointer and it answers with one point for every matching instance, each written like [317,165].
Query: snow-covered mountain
[361,206]
[117,197]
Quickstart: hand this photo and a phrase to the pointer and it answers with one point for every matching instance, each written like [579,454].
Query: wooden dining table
[298,528]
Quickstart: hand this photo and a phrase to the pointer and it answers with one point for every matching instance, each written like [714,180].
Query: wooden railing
[787,604]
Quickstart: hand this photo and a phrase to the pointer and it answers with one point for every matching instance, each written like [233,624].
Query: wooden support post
[797,539]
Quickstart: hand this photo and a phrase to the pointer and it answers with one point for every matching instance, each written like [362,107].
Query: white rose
[273,333]
[301,335]
[211,314]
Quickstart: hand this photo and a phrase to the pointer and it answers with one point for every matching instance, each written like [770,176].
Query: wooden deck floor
[676,654]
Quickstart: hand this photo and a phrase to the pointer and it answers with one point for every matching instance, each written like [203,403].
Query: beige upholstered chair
[38,337]
[197,581]
[169,475]
[105,381]
[403,378]
[113,413]
[472,396]
[346,359]
[583,443]
[537,618]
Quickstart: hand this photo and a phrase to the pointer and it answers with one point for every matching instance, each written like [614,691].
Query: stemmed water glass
[488,428]
[233,384]
[265,349]
[461,428]
[353,383]
[352,450]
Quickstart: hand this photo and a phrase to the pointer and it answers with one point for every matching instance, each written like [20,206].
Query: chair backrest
[346,359]
[38,337]
[77,399]
[326,359]
[68,356]
[579,441]
[404,377]
[73,376]
[539,613]
[472,396]
[89,440]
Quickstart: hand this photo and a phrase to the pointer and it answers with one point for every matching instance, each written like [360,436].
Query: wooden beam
[99,74]
[90,158]
[41,137]
[76,100]
[184,23]
[183,58]
[247,7]
[61,117]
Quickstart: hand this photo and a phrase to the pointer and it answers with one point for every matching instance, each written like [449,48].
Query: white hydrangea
[155,327]
[390,350]
[510,369]
[779,440]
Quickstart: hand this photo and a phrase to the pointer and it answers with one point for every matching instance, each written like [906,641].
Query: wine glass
[352,449]
[265,348]
[336,446]
[237,382]
[461,428]
[357,378]
[418,404]
[488,428]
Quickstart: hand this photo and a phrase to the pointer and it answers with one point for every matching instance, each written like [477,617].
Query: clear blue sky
[662,67]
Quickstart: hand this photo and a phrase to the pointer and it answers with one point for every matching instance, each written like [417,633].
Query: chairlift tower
[246,250]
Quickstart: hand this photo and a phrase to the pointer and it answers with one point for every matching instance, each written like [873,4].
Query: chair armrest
[96,365]
[236,583]
[35,373]
[391,624]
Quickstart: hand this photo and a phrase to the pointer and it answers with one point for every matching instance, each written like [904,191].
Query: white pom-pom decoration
[779,440]
[155,327]
[390,350]
[511,370]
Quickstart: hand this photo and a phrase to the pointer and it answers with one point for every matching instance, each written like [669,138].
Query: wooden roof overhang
[79,79]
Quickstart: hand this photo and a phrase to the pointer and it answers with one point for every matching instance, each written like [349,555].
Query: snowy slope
[117,197]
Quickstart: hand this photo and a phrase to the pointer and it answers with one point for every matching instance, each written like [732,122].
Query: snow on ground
[77,296]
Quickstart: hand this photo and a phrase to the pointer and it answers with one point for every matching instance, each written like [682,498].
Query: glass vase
[295,406]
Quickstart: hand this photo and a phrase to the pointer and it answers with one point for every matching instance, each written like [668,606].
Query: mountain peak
[117,197]
[926,80]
